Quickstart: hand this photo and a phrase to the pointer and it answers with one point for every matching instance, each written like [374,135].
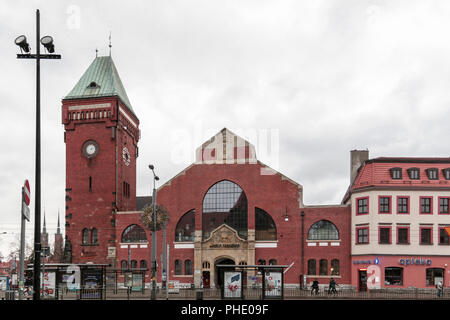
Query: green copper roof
[101,79]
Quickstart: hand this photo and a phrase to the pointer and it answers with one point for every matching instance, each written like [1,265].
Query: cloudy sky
[319,78]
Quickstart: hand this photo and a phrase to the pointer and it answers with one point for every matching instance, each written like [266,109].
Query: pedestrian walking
[332,287]
[315,287]
[439,288]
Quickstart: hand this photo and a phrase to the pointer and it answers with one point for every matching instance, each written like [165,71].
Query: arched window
[312,267]
[185,228]
[143,264]
[133,264]
[178,267]
[134,233]
[323,230]
[265,228]
[225,203]
[124,264]
[187,267]
[272,262]
[94,236]
[262,262]
[335,267]
[85,236]
[323,267]
[206,265]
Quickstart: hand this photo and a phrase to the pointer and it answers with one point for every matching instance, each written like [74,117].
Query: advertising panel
[137,282]
[273,284]
[232,284]
[49,283]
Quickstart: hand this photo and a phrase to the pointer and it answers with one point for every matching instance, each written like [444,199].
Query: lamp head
[21,41]
[47,42]
[151,167]
[156,178]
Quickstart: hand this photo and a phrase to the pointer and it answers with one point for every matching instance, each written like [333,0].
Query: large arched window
[264,225]
[323,230]
[225,203]
[185,229]
[134,233]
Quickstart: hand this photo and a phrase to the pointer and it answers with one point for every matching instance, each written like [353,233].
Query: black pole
[303,249]
[37,210]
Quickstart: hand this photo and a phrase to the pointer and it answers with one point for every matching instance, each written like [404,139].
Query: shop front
[376,272]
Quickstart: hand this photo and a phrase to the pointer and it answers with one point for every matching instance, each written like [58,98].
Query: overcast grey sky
[325,77]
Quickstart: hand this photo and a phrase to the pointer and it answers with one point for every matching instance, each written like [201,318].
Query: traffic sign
[26,193]
[25,211]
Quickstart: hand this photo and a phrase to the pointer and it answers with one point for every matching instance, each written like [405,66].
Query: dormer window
[432,173]
[414,173]
[446,173]
[93,85]
[396,173]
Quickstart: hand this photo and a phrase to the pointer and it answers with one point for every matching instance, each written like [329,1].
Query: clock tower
[101,137]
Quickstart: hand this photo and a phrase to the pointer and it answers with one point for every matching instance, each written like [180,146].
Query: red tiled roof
[375,172]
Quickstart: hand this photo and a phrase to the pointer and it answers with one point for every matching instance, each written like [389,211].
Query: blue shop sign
[375,261]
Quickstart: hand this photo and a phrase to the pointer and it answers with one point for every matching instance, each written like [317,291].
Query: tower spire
[58,229]
[44,230]
[110,45]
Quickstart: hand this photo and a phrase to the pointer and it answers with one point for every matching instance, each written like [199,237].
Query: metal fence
[120,293]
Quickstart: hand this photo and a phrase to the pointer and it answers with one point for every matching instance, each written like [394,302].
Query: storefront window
[434,275]
[225,203]
[393,276]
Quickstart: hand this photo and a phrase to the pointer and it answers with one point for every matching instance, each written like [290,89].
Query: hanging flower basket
[162,216]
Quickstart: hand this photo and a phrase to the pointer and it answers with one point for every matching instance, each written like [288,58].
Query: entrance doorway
[205,277]
[218,272]
[362,280]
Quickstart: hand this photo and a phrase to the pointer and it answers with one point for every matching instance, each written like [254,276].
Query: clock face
[90,149]
[126,156]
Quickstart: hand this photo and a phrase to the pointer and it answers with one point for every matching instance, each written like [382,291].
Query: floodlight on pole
[47,42]
[21,41]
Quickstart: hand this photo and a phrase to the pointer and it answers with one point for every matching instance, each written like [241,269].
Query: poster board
[137,282]
[273,284]
[232,285]
[49,283]
[173,286]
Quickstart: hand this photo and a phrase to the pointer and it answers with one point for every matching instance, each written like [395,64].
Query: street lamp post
[153,261]
[47,42]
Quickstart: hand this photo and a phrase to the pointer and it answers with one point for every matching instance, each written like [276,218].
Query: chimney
[357,158]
